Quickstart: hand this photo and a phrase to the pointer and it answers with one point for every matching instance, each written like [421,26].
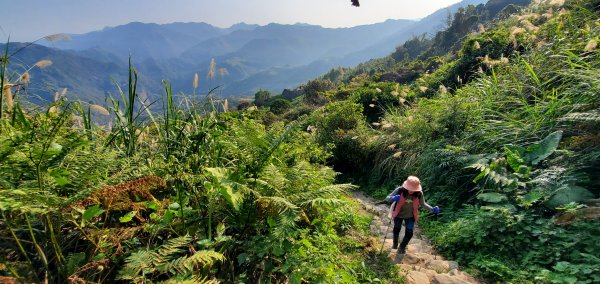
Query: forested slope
[502,130]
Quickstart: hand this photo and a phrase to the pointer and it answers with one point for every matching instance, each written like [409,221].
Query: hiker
[407,199]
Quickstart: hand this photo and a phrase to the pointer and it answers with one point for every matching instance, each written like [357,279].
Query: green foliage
[314,91]
[122,199]
[411,48]
[376,99]
[514,247]
[502,136]
[261,97]
[169,259]
[279,106]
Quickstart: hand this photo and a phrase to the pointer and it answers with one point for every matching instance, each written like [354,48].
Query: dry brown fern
[130,195]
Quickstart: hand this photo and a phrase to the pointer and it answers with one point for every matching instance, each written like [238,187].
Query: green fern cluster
[169,259]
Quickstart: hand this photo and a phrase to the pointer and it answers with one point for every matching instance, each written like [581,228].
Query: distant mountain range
[247,57]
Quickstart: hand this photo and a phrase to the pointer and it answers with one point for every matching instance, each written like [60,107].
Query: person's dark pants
[410,226]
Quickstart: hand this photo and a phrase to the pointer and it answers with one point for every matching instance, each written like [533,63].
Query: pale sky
[27,20]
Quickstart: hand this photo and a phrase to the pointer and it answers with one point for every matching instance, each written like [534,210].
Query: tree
[279,106]
[261,97]
[313,91]
[242,105]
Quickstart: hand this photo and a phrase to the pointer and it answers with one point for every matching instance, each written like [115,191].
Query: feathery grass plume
[376,124]
[8,96]
[548,13]
[223,72]
[391,146]
[557,3]
[43,63]
[25,77]
[226,105]
[481,28]
[58,95]
[517,30]
[591,45]
[99,109]
[211,69]
[397,155]
[402,100]
[563,11]
[77,120]
[423,89]
[487,61]
[371,105]
[386,125]
[378,90]
[540,44]
[195,83]
[529,26]
[476,45]
[443,90]
[503,60]
[395,93]
[58,37]
[528,16]
[513,41]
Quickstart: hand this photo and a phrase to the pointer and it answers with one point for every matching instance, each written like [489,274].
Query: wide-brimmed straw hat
[412,184]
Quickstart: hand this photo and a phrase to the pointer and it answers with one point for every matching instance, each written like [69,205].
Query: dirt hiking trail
[421,264]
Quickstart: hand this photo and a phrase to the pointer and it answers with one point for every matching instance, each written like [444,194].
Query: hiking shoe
[402,250]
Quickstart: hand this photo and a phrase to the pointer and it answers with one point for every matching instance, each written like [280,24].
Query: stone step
[441,266]
[448,279]
[417,277]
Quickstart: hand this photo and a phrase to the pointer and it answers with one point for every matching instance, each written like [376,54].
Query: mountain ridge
[288,53]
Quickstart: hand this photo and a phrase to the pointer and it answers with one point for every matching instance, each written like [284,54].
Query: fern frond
[190,280]
[285,225]
[327,191]
[142,260]
[174,246]
[203,258]
[174,267]
[275,203]
[322,202]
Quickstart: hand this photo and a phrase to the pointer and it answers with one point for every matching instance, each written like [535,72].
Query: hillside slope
[502,130]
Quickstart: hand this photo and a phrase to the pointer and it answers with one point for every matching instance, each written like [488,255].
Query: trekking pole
[385,236]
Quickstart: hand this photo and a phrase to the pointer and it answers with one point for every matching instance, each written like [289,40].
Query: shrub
[279,106]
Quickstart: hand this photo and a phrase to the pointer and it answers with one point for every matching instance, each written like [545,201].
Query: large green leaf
[227,185]
[127,217]
[568,194]
[91,213]
[491,197]
[540,151]
[530,198]
[233,197]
